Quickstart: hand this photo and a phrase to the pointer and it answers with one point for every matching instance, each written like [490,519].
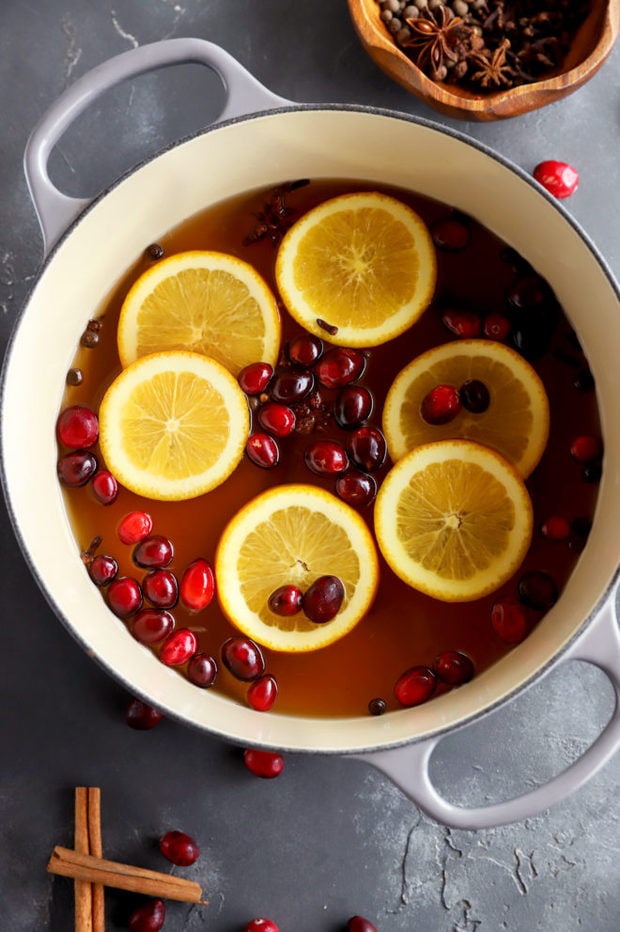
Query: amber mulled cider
[339,416]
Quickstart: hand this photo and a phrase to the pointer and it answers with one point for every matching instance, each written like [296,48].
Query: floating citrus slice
[362,263]
[203,302]
[515,423]
[173,425]
[294,534]
[454,520]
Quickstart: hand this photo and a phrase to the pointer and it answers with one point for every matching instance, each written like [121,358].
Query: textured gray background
[330,837]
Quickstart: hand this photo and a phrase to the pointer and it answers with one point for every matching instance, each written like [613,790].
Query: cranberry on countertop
[264,764]
[559,178]
[359,924]
[261,925]
[141,716]
[179,848]
[149,917]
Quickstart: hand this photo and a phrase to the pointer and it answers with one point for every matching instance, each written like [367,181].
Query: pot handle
[408,766]
[56,211]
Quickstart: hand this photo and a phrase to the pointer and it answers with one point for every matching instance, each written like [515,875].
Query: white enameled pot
[261,140]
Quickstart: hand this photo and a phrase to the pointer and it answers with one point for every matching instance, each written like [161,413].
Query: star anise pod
[437,38]
[493,69]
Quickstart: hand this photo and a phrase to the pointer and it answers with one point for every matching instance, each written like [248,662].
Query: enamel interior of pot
[252,153]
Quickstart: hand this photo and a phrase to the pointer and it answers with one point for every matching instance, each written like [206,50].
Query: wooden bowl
[591,46]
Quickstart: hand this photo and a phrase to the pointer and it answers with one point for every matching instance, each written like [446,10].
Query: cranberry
[75,469]
[367,448]
[155,551]
[134,527]
[353,406]
[441,405]
[285,600]
[359,924]
[243,658]
[586,449]
[263,692]
[255,378]
[453,667]
[151,625]
[141,716]
[530,292]
[415,686]
[77,427]
[202,670]
[556,528]
[124,596]
[559,178]
[148,918]
[103,569]
[474,396]
[584,381]
[261,925]
[377,706]
[581,527]
[356,488]
[276,418]
[538,590]
[496,326]
[592,472]
[291,385]
[450,234]
[179,848]
[340,366]
[322,601]
[178,648]
[305,350]
[463,324]
[326,457]
[263,451]
[265,764]
[105,487]
[198,585]
[509,621]
[160,588]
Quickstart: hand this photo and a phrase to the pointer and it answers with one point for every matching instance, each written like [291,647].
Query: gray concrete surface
[330,837]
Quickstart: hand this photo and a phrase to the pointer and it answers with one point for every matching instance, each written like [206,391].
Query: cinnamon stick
[82,896]
[87,867]
[96,848]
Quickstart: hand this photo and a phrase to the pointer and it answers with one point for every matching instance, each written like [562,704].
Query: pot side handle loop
[56,211]
[408,766]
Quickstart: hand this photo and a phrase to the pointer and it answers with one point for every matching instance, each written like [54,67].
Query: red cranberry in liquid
[340,366]
[586,448]
[124,596]
[198,585]
[155,551]
[415,686]
[243,658]
[496,327]
[450,234]
[202,670]
[441,405]
[141,716]
[528,293]
[592,472]
[323,600]
[356,488]
[377,706]
[359,924]
[105,487]
[475,396]
[367,448]
[353,406]
[160,588]
[261,925]
[179,848]
[538,590]
[134,527]
[148,918]
[103,569]
[291,385]
[559,178]
[305,350]
[326,457]
[263,692]
[286,600]
[263,451]
[276,418]
[151,625]
[254,379]
[464,324]
[453,667]
[556,528]
[77,468]
[77,427]
[265,764]
[178,648]
[509,621]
